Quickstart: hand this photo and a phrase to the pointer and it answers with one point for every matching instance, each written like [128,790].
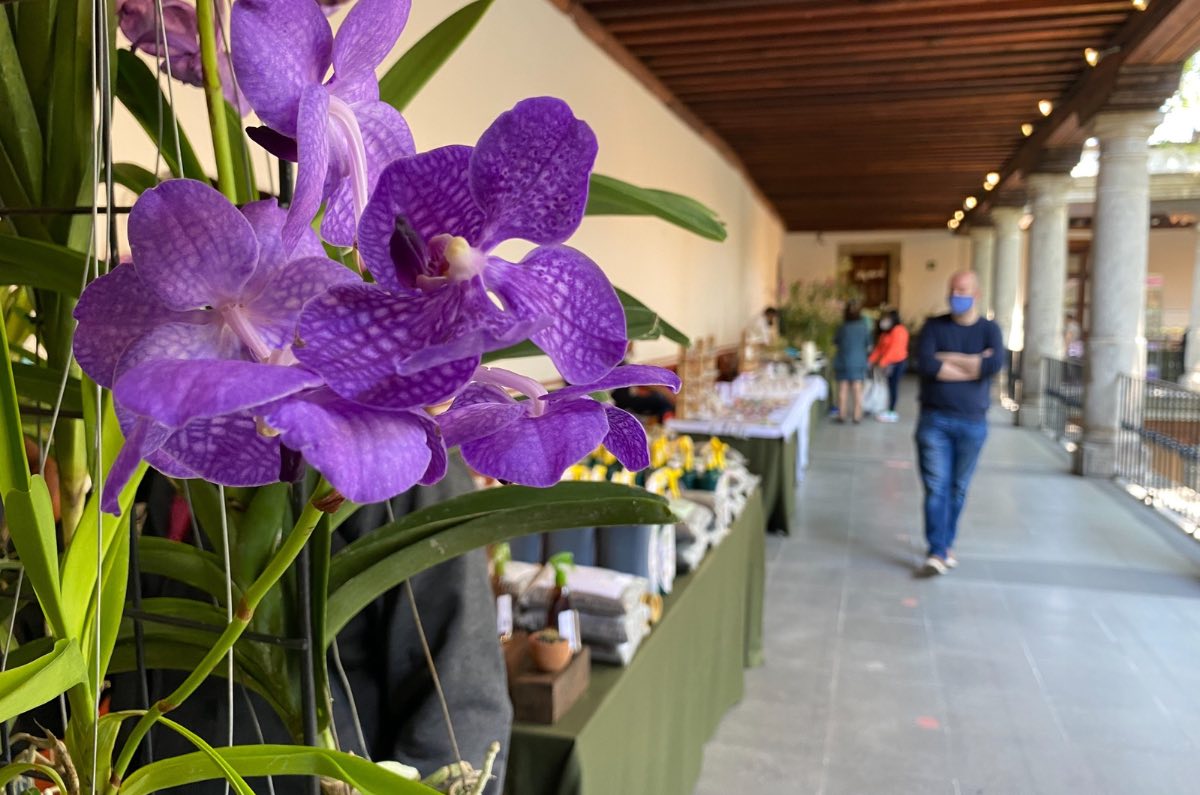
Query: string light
[1092,56]
[1027,129]
[1045,107]
[970,202]
[992,178]
[1140,5]
[959,215]
[952,223]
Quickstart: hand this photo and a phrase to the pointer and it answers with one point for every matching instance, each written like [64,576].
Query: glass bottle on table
[560,597]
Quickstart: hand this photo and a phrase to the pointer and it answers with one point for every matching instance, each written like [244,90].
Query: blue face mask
[961,304]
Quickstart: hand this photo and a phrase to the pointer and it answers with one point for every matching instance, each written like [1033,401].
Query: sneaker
[934,566]
[951,561]
[888,417]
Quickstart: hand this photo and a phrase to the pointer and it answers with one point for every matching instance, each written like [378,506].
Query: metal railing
[1164,360]
[1158,446]
[1062,399]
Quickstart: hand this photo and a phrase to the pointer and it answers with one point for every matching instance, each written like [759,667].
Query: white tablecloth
[782,423]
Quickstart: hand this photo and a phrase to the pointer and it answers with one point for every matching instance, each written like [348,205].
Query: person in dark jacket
[958,355]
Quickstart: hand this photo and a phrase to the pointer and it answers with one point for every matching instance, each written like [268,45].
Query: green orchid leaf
[644,323]
[227,772]
[30,517]
[40,385]
[105,618]
[206,504]
[20,133]
[609,196]
[272,760]
[79,564]
[15,770]
[132,176]
[428,537]
[414,69]
[46,266]
[184,563]
[28,686]
[258,531]
[138,89]
[14,465]
[641,323]
[69,118]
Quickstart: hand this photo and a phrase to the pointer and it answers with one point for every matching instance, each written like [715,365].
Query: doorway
[871,270]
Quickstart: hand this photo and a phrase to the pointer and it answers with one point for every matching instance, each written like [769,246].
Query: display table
[776,448]
[641,730]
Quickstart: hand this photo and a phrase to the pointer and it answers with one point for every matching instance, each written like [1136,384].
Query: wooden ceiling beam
[840,13]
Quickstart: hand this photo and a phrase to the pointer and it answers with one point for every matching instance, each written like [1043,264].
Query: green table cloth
[641,730]
[773,460]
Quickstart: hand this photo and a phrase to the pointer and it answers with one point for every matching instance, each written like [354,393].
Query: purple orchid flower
[339,132]
[532,442]
[426,237]
[194,337]
[138,21]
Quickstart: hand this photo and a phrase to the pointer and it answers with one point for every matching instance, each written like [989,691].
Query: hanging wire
[219,10]
[228,611]
[345,681]
[12,620]
[166,57]
[437,682]
[258,732]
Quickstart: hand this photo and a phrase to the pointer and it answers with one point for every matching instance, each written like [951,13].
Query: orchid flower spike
[337,130]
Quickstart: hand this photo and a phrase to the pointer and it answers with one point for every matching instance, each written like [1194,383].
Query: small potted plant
[551,652]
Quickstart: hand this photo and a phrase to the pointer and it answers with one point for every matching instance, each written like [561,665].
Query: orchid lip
[507,379]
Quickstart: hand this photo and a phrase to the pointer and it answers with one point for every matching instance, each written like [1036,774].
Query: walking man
[957,356]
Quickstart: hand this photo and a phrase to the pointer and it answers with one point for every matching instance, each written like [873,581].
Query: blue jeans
[947,449]
[894,373]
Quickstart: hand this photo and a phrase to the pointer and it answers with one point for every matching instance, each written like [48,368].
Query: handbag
[875,399]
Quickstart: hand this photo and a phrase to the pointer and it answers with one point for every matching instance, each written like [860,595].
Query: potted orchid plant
[279,352]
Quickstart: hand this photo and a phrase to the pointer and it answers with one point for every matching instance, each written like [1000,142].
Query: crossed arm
[962,366]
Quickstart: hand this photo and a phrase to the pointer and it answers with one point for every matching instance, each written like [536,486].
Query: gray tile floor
[1062,656]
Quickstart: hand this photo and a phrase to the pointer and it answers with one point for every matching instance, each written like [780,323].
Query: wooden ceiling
[861,114]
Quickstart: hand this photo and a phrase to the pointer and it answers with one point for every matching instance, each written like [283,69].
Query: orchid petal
[618,377]
[530,172]
[367,35]
[462,424]
[535,451]
[354,335]
[228,450]
[312,145]
[191,247]
[280,48]
[626,439]
[463,322]
[267,219]
[275,313]
[438,459]
[586,335]
[113,313]
[176,392]
[368,454]
[181,341]
[143,437]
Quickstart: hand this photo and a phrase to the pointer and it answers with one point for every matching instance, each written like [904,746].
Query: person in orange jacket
[891,354]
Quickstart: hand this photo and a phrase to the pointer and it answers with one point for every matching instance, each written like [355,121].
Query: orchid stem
[206,23]
[280,562]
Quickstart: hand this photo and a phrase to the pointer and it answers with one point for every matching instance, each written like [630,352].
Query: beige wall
[919,288]
[527,48]
[1172,256]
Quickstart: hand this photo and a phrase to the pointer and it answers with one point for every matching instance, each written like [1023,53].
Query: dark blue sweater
[967,399]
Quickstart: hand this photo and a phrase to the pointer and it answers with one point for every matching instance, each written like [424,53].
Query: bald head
[965,283]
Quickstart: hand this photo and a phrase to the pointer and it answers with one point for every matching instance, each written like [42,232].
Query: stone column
[982,249]
[1117,343]
[1007,221]
[1192,353]
[1047,281]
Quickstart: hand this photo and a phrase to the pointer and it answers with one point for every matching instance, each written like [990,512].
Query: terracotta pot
[549,656]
